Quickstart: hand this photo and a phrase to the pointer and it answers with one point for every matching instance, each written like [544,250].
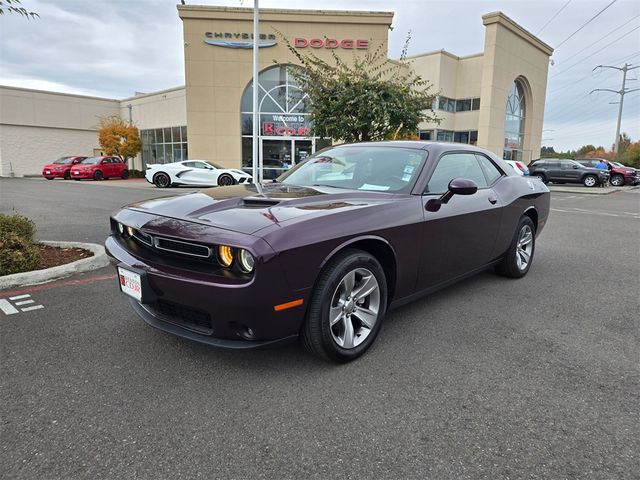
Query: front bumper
[81,174]
[49,173]
[213,310]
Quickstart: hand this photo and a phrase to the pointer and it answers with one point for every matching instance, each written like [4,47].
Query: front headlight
[225,255]
[246,261]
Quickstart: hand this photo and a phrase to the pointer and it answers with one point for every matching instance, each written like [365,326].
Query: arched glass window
[285,126]
[514,123]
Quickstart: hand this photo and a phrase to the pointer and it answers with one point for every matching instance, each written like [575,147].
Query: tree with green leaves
[118,137]
[15,6]
[372,98]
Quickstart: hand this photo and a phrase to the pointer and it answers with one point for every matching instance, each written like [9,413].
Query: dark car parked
[325,251]
[562,170]
[618,174]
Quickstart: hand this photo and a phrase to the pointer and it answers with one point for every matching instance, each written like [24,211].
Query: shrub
[18,252]
[136,173]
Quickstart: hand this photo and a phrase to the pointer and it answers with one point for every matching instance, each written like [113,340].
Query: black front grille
[184,316]
[185,248]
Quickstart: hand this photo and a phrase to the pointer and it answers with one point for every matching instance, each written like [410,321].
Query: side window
[566,165]
[189,164]
[555,164]
[201,165]
[455,165]
[490,170]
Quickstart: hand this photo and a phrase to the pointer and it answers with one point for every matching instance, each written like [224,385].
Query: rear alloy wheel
[125,174]
[98,175]
[590,181]
[617,180]
[225,180]
[161,180]
[540,176]
[517,261]
[346,308]
[67,175]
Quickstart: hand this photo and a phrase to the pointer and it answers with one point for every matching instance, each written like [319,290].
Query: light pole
[257,161]
[620,92]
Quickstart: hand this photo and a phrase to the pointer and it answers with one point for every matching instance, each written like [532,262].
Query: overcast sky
[113,48]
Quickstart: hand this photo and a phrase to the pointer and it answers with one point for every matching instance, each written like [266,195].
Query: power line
[597,51]
[602,38]
[552,18]
[584,25]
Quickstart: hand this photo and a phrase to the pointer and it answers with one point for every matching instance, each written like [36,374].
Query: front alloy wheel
[346,308]
[161,180]
[590,181]
[354,308]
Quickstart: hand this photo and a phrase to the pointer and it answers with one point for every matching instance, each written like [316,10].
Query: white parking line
[18,297]
[36,307]
[25,302]
[6,307]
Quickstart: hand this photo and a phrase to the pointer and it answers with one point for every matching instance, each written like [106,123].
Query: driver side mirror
[103,162]
[457,186]
[575,167]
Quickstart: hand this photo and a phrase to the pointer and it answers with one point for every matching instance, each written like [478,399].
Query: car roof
[420,144]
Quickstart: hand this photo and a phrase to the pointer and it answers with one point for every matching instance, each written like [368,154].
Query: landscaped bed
[19,252]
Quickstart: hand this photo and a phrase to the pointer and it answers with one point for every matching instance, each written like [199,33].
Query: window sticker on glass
[366,186]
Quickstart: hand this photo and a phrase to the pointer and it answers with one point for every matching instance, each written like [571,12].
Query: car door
[198,173]
[117,166]
[570,171]
[553,170]
[459,237]
[106,167]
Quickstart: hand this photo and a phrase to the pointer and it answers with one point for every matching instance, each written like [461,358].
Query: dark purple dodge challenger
[324,252]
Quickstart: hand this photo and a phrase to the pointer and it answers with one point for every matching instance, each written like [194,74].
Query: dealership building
[494,99]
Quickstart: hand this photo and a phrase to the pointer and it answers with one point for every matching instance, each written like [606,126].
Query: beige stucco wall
[166,108]
[216,77]
[37,127]
[511,52]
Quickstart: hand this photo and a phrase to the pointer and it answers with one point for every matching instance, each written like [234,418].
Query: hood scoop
[259,202]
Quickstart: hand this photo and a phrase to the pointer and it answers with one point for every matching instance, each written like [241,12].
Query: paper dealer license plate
[130,283]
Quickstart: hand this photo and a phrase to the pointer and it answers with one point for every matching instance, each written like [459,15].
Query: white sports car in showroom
[195,173]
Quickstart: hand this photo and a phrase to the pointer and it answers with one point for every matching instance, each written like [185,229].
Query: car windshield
[91,160]
[379,168]
[616,164]
[64,160]
[214,165]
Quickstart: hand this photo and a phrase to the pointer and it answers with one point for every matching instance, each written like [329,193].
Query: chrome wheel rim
[590,181]
[524,248]
[616,181]
[225,181]
[355,308]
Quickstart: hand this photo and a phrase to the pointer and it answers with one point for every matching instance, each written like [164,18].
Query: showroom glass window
[514,123]
[285,122]
[164,145]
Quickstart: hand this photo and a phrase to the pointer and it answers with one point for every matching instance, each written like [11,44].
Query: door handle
[493,200]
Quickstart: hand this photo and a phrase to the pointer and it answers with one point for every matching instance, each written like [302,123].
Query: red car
[100,168]
[619,174]
[61,168]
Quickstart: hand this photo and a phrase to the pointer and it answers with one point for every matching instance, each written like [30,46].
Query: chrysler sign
[238,40]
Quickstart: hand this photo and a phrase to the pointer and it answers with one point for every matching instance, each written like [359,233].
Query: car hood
[240,208]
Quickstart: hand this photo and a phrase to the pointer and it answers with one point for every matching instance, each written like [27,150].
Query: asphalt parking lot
[492,378]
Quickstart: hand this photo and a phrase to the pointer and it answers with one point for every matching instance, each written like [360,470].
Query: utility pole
[620,92]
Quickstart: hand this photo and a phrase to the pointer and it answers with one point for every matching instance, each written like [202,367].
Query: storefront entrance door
[280,154]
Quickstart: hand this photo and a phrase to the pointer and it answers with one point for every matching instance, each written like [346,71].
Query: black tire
[49,178]
[161,180]
[590,181]
[317,335]
[125,174]
[541,176]
[67,175]
[509,266]
[98,175]
[617,180]
[225,179]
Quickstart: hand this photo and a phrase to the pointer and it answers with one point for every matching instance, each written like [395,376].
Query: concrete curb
[35,277]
